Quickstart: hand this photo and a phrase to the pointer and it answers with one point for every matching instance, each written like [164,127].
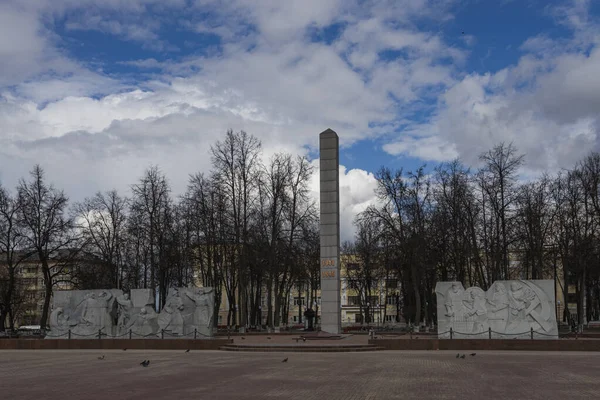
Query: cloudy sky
[97,90]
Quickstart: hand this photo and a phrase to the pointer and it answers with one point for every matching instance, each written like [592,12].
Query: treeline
[248,228]
[480,226]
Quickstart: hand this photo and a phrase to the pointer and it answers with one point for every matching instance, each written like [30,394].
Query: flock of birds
[146,363]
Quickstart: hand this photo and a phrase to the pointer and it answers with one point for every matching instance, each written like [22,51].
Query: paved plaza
[50,374]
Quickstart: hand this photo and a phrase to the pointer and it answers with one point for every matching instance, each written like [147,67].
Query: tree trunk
[3,314]
[415,283]
[270,303]
[47,292]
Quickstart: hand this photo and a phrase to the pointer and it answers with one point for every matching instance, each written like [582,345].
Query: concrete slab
[305,376]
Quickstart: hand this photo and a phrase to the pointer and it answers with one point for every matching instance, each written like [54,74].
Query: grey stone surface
[329,219]
[329,175]
[186,311]
[118,314]
[136,313]
[329,251]
[83,312]
[329,208]
[328,164]
[330,241]
[330,231]
[509,308]
[219,375]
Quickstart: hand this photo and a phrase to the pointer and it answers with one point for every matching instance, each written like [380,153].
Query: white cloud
[431,148]
[92,131]
[549,108]
[357,192]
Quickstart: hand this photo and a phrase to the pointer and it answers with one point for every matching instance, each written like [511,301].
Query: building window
[353,284]
[390,318]
[352,267]
[299,301]
[373,301]
[295,318]
[353,300]
[391,283]
[28,270]
[358,318]
[391,300]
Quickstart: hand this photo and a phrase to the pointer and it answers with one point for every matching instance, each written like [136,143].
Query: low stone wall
[487,344]
[113,344]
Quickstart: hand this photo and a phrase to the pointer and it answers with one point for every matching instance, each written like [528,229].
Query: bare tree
[535,218]
[102,222]
[47,230]
[497,179]
[207,218]
[12,253]
[152,206]
[236,161]
[404,216]
[368,270]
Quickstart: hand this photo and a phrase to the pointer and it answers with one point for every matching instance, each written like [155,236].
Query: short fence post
[450,333]
[195,330]
[69,334]
[532,333]
[490,332]
[129,333]
[162,333]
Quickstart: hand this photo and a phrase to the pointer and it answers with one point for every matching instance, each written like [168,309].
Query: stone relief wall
[509,308]
[116,314]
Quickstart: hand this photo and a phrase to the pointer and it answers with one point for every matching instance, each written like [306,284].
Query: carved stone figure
[497,300]
[202,316]
[529,308]
[83,312]
[145,323]
[454,300]
[509,308]
[125,312]
[59,322]
[476,311]
[170,318]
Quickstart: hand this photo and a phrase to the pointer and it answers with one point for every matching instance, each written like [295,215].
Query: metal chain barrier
[80,335]
[490,331]
[57,336]
[129,334]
